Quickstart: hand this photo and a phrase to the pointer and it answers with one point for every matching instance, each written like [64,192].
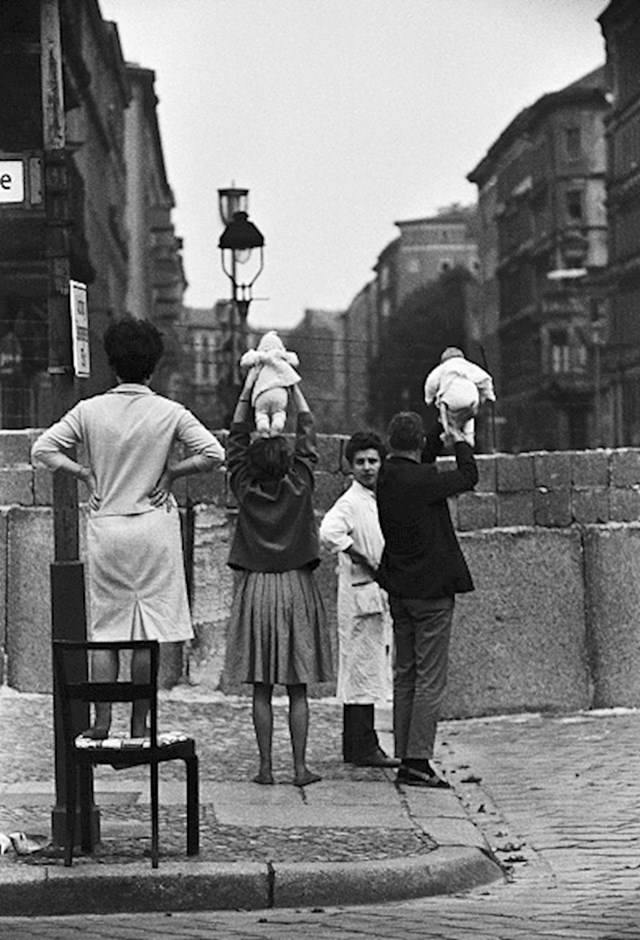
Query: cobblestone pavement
[557,798]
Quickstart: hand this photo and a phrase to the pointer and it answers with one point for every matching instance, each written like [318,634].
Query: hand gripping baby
[457,387]
[274,373]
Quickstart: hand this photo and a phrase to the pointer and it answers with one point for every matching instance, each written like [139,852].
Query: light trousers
[422,630]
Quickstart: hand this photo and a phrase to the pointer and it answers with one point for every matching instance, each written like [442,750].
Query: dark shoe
[377,759]
[410,777]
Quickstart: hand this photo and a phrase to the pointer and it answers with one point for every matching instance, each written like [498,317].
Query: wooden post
[68,613]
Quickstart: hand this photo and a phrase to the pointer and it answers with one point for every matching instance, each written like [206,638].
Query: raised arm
[242,410]
[298,398]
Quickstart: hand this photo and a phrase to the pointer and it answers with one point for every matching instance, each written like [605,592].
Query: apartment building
[543,248]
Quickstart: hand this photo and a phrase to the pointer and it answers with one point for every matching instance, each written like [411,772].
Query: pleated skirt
[278,631]
[137,586]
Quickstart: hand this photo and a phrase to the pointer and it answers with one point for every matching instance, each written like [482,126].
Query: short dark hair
[364,440]
[269,457]
[406,431]
[133,347]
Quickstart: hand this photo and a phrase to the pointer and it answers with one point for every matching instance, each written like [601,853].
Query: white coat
[365,637]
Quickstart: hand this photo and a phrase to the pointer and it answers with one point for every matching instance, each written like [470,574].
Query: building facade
[425,249]
[156,280]
[360,349]
[620,23]
[319,341]
[109,185]
[543,239]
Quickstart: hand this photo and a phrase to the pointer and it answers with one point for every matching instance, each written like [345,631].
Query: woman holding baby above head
[137,586]
[277,631]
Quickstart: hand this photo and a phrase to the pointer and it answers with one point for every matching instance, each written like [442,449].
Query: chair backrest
[70,670]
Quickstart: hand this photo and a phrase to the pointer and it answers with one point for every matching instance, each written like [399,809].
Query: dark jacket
[276,528]
[422,557]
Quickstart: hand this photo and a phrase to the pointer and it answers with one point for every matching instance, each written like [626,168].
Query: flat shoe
[415,778]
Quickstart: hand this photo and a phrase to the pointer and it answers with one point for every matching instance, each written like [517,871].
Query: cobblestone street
[558,801]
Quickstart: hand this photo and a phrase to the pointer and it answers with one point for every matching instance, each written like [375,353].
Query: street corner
[445,870]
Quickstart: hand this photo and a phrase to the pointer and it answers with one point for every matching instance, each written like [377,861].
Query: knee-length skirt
[137,585]
[278,631]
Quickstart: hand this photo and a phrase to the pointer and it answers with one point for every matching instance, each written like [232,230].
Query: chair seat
[129,752]
[165,739]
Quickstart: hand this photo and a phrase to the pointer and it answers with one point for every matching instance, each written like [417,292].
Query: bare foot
[305,778]
[266,779]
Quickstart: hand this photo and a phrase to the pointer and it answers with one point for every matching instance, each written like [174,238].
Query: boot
[348,724]
[366,747]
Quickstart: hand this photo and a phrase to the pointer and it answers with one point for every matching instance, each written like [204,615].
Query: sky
[341,117]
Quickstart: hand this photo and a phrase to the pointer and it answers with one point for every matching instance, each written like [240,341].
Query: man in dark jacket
[422,569]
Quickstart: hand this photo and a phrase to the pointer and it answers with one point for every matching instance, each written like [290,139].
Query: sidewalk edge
[51,890]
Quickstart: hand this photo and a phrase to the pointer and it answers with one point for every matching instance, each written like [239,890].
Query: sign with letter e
[11,181]
[80,328]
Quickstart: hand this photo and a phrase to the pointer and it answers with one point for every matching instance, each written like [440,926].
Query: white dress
[365,635]
[137,585]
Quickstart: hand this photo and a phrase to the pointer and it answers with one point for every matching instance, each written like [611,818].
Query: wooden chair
[81,754]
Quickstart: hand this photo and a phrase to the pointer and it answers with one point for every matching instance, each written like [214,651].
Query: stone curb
[136,888]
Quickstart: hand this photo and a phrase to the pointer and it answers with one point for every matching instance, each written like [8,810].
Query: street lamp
[242,254]
[242,251]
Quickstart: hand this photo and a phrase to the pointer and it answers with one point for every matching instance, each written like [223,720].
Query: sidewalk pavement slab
[354,837]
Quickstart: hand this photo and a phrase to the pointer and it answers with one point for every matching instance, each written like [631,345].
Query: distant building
[620,23]
[543,247]
[319,342]
[425,249]
[360,348]
[207,384]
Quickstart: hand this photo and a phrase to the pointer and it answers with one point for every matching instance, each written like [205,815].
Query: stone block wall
[552,540]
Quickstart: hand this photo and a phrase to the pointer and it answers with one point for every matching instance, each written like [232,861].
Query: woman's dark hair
[133,347]
[406,431]
[364,440]
[269,457]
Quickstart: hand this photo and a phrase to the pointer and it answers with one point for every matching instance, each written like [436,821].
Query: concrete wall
[551,539]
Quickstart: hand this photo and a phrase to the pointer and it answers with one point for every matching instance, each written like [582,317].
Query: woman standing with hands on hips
[137,587]
[277,631]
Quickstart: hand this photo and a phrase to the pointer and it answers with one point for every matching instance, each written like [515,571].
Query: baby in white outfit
[457,387]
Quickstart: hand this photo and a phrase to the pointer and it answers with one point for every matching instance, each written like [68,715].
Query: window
[572,142]
[574,204]
[560,352]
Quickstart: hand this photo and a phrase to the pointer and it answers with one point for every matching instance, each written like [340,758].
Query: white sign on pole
[11,181]
[80,328]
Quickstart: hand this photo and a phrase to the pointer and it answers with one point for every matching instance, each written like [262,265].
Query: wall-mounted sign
[11,181]
[80,328]
[21,181]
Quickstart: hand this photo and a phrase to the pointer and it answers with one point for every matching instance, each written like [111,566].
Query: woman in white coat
[137,587]
[351,530]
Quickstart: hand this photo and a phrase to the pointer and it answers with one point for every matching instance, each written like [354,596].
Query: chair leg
[86,842]
[154,815]
[193,806]
[70,810]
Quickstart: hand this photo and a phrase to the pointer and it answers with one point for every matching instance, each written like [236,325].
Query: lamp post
[68,614]
[242,254]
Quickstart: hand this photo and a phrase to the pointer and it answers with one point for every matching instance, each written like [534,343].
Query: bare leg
[140,672]
[263,726]
[104,668]
[444,419]
[299,728]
